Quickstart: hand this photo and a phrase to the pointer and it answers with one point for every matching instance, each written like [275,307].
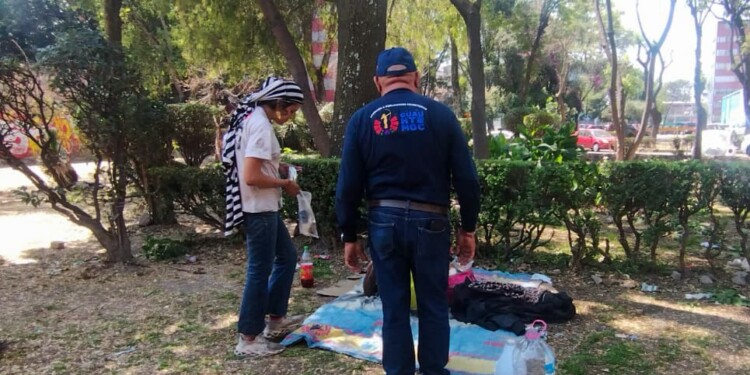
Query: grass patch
[602,352]
[313,358]
[191,327]
[322,269]
[229,297]
[668,351]
[549,259]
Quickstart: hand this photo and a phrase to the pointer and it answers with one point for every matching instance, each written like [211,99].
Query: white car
[745,146]
[716,143]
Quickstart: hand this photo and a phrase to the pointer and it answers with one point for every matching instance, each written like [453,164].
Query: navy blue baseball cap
[395,62]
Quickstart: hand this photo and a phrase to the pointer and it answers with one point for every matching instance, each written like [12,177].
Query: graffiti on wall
[22,147]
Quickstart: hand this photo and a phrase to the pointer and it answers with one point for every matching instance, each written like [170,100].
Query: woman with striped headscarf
[251,160]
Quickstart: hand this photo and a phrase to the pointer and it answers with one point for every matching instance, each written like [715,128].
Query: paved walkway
[23,227]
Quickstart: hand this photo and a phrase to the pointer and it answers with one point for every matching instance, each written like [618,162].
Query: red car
[595,139]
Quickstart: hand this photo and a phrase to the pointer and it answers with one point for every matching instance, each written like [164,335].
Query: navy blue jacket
[405,146]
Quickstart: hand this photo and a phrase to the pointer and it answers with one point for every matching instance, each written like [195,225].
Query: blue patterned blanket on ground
[351,324]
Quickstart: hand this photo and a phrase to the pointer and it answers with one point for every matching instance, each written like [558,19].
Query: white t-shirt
[258,140]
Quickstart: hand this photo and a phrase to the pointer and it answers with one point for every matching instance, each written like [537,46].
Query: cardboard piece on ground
[336,290]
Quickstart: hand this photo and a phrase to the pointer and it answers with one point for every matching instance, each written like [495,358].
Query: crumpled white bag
[305,216]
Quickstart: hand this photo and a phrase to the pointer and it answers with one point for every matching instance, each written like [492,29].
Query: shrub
[150,146]
[197,191]
[571,193]
[163,248]
[540,119]
[546,144]
[628,188]
[735,194]
[508,217]
[195,130]
[513,120]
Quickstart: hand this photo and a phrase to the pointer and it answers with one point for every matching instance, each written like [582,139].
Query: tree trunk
[656,118]
[544,16]
[297,67]
[562,77]
[458,105]
[471,13]
[698,88]
[653,50]
[616,98]
[683,246]
[739,225]
[120,251]
[361,39]
[647,110]
[112,21]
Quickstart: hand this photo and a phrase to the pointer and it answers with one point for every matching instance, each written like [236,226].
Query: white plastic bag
[305,215]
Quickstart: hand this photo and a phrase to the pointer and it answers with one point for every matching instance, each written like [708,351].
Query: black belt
[409,205]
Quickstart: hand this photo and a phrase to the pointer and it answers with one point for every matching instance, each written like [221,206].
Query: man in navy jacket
[404,151]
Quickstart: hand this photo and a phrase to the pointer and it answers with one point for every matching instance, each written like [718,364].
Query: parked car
[591,125]
[595,139]
[630,130]
[745,146]
[716,142]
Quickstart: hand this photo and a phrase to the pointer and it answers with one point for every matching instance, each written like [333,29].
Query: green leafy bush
[508,220]
[571,192]
[735,194]
[195,130]
[197,191]
[164,248]
[543,144]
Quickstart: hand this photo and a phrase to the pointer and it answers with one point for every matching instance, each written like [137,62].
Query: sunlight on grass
[171,329]
[224,321]
[652,327]
[724,314]
[181,350]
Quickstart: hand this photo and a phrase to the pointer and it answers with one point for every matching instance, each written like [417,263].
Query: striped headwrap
[273,88]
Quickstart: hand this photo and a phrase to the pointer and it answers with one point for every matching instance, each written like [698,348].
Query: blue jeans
[271,261]
[402,241]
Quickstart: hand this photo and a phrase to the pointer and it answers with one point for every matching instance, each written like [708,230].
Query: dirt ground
[64,311]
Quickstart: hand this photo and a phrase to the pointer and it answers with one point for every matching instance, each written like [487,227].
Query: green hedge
[196,191]
[646,201]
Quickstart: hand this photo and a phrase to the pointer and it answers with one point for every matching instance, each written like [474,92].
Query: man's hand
[291,188]
[353,254]
[465,246]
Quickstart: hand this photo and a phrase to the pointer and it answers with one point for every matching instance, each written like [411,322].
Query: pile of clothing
[510,304]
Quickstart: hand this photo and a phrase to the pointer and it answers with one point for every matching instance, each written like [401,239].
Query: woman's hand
[291,188]
[284,169]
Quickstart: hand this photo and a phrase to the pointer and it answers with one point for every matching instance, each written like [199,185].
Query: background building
[725,82]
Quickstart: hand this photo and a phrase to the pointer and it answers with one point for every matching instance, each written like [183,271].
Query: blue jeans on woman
[401,241]
[271,261]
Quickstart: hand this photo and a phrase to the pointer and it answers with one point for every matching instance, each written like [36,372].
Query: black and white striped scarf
[272,89]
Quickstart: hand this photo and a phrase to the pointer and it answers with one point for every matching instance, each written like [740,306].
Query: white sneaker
[277,328]
[260,347]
